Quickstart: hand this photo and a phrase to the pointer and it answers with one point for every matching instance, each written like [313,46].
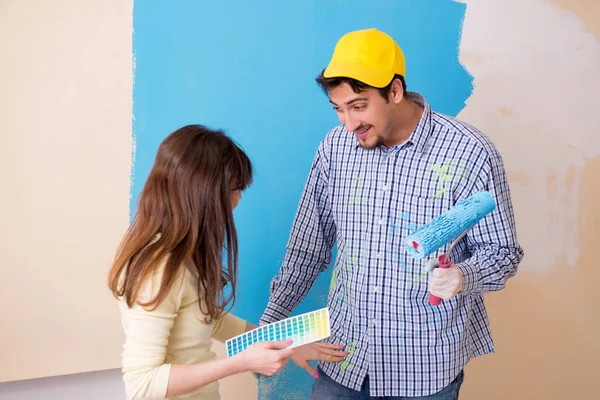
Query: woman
[169,273]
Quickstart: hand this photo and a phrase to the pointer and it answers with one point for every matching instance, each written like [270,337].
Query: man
[392,166]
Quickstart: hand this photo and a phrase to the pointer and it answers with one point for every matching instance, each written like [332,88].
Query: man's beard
[374,145]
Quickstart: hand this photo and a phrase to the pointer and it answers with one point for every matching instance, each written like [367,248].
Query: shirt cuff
[470,274]
[273,313]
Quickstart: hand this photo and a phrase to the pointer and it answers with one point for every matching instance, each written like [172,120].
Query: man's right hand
[317,351]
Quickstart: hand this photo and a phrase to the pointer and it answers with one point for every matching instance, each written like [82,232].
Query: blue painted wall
[249,67]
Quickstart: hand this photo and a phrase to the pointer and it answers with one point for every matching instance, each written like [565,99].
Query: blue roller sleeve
[447,227]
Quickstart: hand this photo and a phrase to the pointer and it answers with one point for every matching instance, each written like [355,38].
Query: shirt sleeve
[145,373]
[309,248]
[228,326]
[492,244]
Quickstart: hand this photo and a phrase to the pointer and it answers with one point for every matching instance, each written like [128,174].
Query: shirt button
[378,255]
[381,221]
[385,188]
[374,322]
[376,289]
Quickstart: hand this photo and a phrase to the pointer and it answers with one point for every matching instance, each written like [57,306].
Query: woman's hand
[266,358]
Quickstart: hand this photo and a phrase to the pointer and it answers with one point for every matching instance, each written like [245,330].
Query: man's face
[365,114]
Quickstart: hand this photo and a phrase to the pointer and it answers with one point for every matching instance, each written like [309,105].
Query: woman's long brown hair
[185,217]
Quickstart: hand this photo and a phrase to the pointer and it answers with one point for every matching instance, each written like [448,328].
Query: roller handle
[444,262]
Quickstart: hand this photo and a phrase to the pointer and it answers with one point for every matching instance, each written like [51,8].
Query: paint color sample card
[302,329]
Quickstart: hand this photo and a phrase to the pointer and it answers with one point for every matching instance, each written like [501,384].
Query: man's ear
[396,91]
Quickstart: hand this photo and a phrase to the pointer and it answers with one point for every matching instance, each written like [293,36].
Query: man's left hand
[445,283]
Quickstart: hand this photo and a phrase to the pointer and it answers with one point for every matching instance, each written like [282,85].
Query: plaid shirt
[368,201]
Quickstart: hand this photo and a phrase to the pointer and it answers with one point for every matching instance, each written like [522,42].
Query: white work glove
[444,283]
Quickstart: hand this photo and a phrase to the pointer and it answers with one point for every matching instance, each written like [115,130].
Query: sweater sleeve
[145,373]
[228,326]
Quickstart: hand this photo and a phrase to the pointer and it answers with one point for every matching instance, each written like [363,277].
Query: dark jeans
[325,388]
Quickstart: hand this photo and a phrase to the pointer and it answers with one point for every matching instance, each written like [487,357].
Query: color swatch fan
[302,329]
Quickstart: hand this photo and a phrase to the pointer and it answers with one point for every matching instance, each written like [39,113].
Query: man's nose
[352,124]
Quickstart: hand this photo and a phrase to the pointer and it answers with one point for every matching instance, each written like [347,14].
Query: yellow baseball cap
[369,56]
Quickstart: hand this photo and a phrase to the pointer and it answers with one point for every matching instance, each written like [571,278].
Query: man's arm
[309,246]
[492,243]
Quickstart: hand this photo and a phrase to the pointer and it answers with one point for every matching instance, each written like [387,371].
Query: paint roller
[450,226]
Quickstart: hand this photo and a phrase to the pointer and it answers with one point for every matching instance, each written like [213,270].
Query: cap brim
[363,73]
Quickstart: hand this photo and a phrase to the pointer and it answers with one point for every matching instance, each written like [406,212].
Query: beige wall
[66,155]
[536,68]
[65,101]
